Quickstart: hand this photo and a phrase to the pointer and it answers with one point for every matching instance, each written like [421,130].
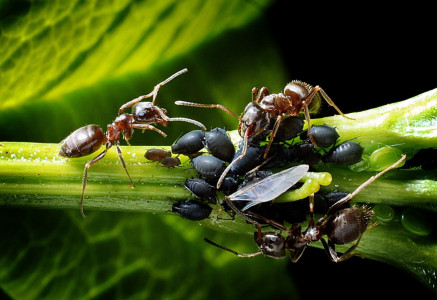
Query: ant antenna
[153,93]
[232,251]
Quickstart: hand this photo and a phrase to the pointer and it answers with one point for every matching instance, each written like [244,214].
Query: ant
[341,226]
[266,107]
[90,138]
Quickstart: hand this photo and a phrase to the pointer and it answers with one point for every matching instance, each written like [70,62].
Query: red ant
[90,138]
[341,226]
[266,107]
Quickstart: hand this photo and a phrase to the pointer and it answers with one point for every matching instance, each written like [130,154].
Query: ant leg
[149,127]
[228,168]
[258,95]
[330,250]
[330,102]
[272,136]
[153,94]
[123,163]
[346,199]
[311,200]
[85,176]
[232,251]
[237,211]
[219,106]
[308,119]
[268,221]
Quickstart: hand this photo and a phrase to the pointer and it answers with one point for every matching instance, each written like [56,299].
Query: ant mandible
[90,138]
[341,226]
[265,107]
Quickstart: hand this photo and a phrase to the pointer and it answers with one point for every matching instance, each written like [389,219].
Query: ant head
[271,244]
[255,118]
[147,112]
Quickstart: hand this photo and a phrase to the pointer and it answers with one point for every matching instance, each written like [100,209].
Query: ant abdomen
[348,224]
[83,141]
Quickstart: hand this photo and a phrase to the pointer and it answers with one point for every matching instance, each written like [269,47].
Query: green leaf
[116,255]
[64,65]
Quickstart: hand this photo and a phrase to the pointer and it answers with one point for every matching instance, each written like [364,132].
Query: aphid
[265,108]
[190,143]
[229,185]
[208,166]
[249,161]
[192,210]
[170,161]
[304,153]
[88,139]
[340,225]
[200,188]
[324,135]
[155,154]
[347,153]
[289,128]
[219,144]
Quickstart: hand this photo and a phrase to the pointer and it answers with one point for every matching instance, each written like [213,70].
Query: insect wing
[270,187]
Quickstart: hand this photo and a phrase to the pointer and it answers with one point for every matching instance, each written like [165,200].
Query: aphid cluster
[272,137]
[252,167]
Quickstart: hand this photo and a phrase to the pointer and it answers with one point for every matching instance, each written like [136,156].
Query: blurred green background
[65,64]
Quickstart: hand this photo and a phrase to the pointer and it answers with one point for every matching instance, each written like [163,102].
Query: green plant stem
[34,176]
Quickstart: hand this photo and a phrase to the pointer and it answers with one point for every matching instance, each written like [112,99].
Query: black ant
[90,138]
[341,226]
[265,107]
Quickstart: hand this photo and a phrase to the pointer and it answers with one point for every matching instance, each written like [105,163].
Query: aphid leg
[232,251]
[219,106]
[243,153]
[153,94]
[330,102]
[346,199]
[85,176]
[273,134]
[123,163]
[149,127]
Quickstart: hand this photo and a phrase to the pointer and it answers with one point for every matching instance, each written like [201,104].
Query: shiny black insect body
[190,143]
[347,153]
[88,139]
[340,226]
[208,166]
[266,107]
[200,188]
[324,135]
[250,160]
[219,144]
[304,153]
[289,128]
[192,210]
